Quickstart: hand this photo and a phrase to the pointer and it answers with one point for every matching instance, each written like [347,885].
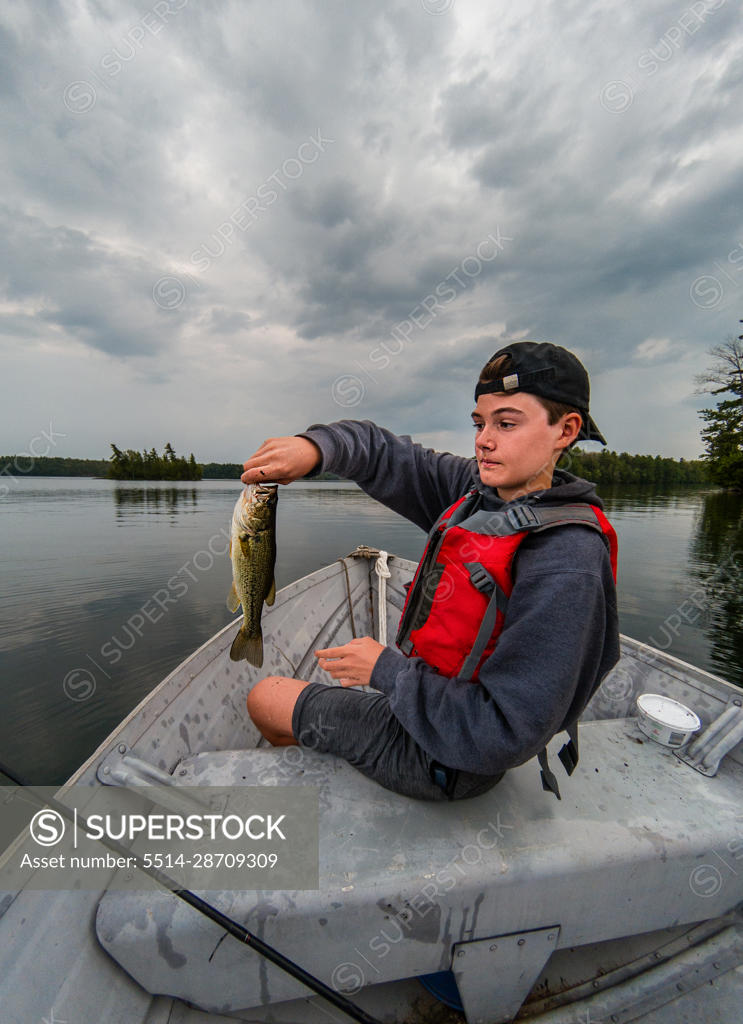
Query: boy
[511,621]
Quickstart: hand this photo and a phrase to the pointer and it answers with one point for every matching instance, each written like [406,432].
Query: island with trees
[148,465]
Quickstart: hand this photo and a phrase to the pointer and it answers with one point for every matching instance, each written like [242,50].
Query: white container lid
[668,712]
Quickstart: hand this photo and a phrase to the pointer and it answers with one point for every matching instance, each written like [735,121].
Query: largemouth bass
[253,556]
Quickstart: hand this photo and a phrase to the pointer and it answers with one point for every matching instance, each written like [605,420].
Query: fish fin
[271,596]
[248,647]
[233,601]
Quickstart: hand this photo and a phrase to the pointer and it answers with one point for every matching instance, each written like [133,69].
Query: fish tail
[248,647]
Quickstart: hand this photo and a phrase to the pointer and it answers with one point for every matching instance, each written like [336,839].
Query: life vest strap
[549,782]
[498,602]
[568,753]
[560,515]
[504,522]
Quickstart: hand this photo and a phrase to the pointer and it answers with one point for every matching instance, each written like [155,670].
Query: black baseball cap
[549,371]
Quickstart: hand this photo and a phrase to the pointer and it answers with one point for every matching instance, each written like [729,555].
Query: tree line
[622,468]
[26,465]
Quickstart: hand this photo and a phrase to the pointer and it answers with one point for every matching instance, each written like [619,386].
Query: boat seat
[638,842]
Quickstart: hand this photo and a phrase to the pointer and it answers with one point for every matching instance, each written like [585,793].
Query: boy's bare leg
[271,705]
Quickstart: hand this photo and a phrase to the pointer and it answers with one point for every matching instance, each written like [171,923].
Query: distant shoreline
[322,477]
[602,468]
[98,469]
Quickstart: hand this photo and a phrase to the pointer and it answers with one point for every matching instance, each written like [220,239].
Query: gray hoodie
[560,634]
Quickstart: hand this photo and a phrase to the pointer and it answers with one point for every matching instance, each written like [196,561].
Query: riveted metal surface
[494,977]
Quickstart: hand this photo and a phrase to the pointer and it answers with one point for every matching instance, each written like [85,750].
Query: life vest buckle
[480,577]
[522,517]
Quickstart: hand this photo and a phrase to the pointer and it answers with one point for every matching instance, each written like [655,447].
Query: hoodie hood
[566,488]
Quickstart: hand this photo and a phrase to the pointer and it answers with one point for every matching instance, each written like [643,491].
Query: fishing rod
[232,927]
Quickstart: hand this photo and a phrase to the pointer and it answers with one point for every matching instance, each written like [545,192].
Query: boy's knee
[258,695]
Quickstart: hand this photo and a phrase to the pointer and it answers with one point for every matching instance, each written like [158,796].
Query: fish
[253,557]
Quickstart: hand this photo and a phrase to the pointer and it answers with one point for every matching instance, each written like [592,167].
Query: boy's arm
[560,637]
[417,482]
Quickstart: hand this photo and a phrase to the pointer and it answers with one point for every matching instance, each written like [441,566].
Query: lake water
[106,587]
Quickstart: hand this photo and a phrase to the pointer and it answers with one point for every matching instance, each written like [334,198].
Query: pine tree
[116,468]
[723,433]
[194,469]
[723,441]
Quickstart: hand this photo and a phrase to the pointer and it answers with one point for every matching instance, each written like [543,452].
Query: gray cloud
[225,321]
[97,295]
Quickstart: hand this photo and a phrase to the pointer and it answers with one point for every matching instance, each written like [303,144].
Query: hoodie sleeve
[560,637]
[417,482]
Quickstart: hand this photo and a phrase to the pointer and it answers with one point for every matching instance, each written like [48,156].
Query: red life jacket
[456,604]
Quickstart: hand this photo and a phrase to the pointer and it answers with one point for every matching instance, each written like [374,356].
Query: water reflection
[154,499]
[716,551]
[644,498]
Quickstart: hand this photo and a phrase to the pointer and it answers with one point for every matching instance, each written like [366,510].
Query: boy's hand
[353,662]
[281,460]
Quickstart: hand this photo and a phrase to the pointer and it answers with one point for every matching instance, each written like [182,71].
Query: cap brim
[590,432]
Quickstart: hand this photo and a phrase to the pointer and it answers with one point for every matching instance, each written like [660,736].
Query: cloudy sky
[226,221]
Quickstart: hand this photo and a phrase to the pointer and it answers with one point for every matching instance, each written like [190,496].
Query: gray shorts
[359,726]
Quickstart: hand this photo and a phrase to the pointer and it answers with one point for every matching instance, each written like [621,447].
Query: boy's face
[515,445]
